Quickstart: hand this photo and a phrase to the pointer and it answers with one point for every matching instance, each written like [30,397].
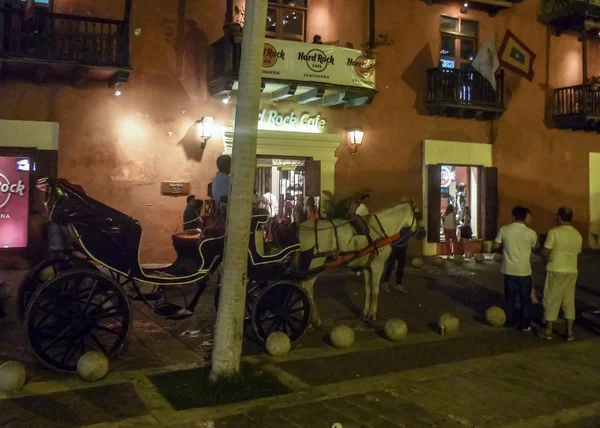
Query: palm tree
[227,350]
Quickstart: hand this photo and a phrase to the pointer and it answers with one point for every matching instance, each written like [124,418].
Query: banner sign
[14,202]
[302,62]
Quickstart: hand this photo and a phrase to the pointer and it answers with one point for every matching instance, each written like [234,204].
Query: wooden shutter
[489,203]
[434,197]
[313,178]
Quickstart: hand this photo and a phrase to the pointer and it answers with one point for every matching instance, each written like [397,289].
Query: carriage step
[173,311]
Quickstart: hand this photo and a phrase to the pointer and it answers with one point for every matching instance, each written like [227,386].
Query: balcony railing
[577,107]
[459,93]
[58,38]
[569,14]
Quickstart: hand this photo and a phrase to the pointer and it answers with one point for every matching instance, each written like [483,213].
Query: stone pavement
[480,377]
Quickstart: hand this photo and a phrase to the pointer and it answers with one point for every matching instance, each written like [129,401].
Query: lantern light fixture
[356,136]
[118,90]
[204,129]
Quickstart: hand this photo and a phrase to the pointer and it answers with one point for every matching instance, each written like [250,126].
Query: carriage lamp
[356,136]
[204,129]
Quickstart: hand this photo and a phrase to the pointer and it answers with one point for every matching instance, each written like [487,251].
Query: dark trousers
[398,254]
[517,286]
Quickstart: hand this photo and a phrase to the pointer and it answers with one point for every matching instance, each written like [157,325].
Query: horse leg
[367,278]
[376,272]
[309,286]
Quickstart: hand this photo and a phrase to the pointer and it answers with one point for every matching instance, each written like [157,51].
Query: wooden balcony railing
[58,38]
[577,107]
[463,93]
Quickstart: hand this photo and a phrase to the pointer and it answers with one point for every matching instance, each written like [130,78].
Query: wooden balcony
[64,45]
[492,7]
[464,94]
[577,108]
[571,15]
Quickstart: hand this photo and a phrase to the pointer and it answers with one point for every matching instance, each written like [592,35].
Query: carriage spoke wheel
[78,311]
[284,306]
[41,273]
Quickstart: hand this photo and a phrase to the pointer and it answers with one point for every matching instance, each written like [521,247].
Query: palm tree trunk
[227,348]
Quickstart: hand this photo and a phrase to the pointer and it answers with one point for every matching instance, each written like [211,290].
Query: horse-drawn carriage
[80,300]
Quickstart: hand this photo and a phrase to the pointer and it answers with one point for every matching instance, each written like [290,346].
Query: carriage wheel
[42,272]
[78,311]
[284,306]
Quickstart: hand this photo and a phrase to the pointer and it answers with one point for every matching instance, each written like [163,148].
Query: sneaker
[385,287]
[570,338]
[525,329]
[401,289]
[542,333]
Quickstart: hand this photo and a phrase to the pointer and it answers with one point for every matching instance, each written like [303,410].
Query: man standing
[190,214]
[272,201]
[517,240]
[220,184]
[562,247]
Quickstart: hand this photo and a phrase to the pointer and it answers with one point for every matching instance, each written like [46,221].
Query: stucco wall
[120,149]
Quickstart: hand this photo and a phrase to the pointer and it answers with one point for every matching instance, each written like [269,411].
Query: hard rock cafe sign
[14,202]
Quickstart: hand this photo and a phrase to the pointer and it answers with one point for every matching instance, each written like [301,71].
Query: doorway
[459,187]
[288,182]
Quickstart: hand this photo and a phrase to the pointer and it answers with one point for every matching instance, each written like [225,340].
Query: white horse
[339,236]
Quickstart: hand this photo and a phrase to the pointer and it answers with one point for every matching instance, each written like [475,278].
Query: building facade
[430,124]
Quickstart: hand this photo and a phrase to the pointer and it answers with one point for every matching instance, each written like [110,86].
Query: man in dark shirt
[190,214]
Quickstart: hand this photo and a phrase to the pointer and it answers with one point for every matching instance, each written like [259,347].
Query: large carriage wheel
[78,311]
[42,272]
[283,306]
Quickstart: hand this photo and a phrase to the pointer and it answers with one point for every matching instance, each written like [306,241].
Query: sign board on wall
[286,60]
[273,120]
[175,188]
[14,202]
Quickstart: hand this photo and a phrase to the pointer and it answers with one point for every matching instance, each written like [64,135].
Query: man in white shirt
[363,209]
[562,247]
[517,240]
[272,202]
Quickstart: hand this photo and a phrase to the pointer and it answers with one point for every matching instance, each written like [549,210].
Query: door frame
[439,152]
[319,147]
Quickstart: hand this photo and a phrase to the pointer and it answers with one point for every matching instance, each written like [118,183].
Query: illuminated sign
[14,202]
[273,120]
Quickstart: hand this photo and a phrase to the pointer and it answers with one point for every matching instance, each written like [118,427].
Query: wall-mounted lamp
[227,99]
[355,135]
[464,8]
[204,129]
[118,90]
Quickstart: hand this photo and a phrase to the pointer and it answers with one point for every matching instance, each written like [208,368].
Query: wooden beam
[334,99]
[358,101]
[283,93]
[312,95]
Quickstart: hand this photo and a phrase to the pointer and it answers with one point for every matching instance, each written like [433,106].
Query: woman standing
[449,225]
[466,232]
[312,213]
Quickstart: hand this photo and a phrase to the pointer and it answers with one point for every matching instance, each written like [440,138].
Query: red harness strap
[350,257]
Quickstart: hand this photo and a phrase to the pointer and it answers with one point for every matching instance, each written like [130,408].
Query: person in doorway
[461,200]
[220,184]
[190,214]
[398,255]
[312,212]
[363,207]
[317,40]
[449,225]
[466,232]
[517,241]
[562,248]
[271,201]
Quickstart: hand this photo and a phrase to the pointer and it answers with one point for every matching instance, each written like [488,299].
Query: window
[458,42]
[286,19]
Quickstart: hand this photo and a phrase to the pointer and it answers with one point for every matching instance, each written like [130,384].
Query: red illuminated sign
[14,202]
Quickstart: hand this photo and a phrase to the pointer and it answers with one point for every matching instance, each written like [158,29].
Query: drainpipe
[371,24]
[229,13]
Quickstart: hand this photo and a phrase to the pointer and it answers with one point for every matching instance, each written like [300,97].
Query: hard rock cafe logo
[176,187]
[316,60]
[363,66]
[7,190]
[271,55]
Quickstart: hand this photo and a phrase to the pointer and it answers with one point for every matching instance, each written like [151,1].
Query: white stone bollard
[12,376]
[495,316]
[395,329]
[498,257]
[417,262]
[278,344]
[439,262]
[479,258]
[448,324]
[92,366]
[342,336]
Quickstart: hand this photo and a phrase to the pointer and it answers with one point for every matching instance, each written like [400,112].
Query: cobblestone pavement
[481,377]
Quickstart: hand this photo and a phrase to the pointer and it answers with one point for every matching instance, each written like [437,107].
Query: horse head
[406,219]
